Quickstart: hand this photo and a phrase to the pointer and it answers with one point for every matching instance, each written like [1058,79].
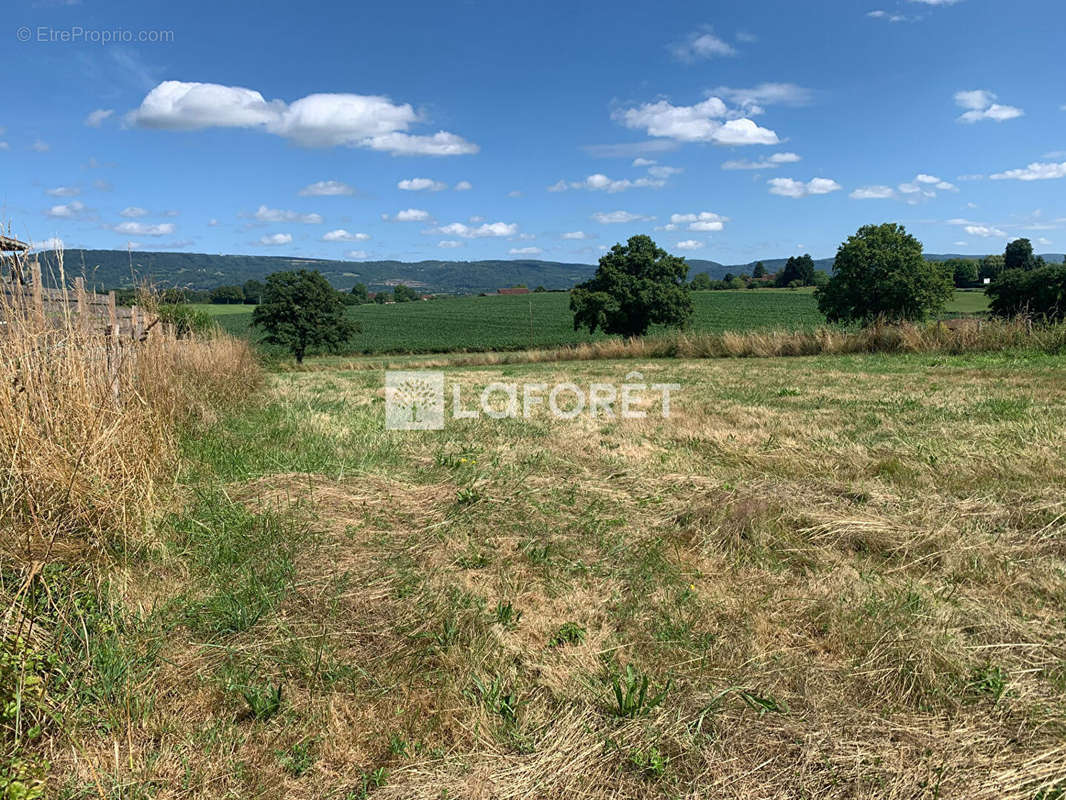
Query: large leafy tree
[880,273]
[300,312]
[636,285]
[1019,255]
[798,270]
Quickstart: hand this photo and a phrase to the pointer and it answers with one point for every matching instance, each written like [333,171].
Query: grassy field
[504,322]
[841,577]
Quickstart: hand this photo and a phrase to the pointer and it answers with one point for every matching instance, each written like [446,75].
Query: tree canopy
[300,311]
[1039,292]
[798,270]
[636,285]
[879,273]
[1019,255]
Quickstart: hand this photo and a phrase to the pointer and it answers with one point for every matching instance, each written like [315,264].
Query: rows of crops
[544,320]
[539,320]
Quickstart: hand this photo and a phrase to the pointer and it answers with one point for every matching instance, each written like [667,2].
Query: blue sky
[419,130]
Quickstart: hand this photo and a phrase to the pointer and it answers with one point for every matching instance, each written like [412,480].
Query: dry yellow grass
[88,448]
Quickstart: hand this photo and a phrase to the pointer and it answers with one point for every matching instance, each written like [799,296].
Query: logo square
[414,400]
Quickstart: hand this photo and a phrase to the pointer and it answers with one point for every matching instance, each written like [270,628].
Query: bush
[1037,293]
[187,321]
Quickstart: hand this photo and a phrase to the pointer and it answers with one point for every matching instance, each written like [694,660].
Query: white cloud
[132,212]
[576,235]
[276,239]
[326,189]
[873,193]
[449,243]
[356,254]
[525,251]
[40,146]
[937,2]
[664,172]
[1037,171]
[51,243]
[264,214]
[421,185]
[700,45]
[514,193]
[754,99]
[144,229]
[611,217]
[96,118]
[317,120]
[703,221]
[886,16]
[4,146]
[487,229]
[341,235]
[982,105]
[63,191]
[771,162]
[464,186]
[701,122]
[689,244]
[985,231]
[644,162]
[69,210]
[1044,240]
[407,215]
[787,187]
[601,183]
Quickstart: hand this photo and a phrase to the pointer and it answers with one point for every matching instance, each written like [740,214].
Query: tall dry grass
[88,426]
[962,336]
[88,445]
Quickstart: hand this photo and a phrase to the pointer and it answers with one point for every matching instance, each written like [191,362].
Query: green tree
[300,312]
[253,291]
[1039,293]
[759,271]
[360,294]
[636,285]
[381,298]
[797,268]
[402,293]
[1019,255]
[991,266]
[880,273]
[964,271]
[224,295]
[700,282]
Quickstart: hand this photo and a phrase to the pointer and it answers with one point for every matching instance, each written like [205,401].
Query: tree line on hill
[797,271]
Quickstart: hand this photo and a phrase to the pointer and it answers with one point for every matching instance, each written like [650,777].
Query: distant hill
[116,269]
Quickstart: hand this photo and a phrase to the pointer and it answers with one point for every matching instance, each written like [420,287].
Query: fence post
[134,323]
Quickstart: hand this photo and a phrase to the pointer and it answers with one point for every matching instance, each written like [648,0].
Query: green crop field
[222,310]
[544,319]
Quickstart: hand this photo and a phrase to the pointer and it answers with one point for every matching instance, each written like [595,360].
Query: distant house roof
[7,245]
[516,290]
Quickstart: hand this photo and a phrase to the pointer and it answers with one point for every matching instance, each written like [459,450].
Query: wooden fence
[90,312]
